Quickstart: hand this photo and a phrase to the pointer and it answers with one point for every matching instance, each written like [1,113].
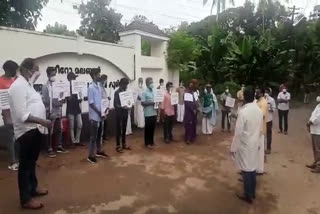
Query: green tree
[221,5]
[21,14]
[100,21]
[59,29]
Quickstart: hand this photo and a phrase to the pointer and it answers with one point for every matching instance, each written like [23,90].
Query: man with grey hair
[150,113]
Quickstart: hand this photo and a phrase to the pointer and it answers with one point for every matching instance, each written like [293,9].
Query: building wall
[80,54]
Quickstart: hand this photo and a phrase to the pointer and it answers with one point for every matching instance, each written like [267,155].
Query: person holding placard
[54,113]
[225,110]
[10,72]
[96,118]
[169,114]
[122,109]
[138,109]
[150,113]
[209,110]
[74,112]
[29,121]
[180,109]
[190,116]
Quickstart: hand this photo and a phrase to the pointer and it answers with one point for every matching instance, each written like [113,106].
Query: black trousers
[167,127]
[269,135]
[283,116]
[30,145]
[121,126]
[225,115]
[150,125]
[249,184]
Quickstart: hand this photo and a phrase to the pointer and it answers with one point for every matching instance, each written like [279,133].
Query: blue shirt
[148,96]
[94,97]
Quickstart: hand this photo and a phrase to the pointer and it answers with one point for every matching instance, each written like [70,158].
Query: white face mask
[266,95]
[170,90]
[227,90]
[284,90]
[52,79]
[318,99]
[34,77]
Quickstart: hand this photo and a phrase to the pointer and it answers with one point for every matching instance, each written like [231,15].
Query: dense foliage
[260,47]
[60,29]
[100,21]
[21,14]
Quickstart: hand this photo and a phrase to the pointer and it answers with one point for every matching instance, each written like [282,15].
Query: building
[316,13]
[81,55]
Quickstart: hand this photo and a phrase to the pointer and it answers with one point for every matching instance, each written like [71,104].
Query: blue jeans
[95,137]
[249,184]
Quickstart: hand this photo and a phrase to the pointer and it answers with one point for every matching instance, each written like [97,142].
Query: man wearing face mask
[10,69]
[225,110]
[138,109]
[150,113]
[263,105]
[54,113]
[74,113]
[272,108]
[314,128]
[168,112]
[180,109]
[29,121]
[121,117]
[284,98]
[190,116]
[96,118]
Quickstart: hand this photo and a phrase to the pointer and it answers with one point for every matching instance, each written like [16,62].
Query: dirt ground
[175,178]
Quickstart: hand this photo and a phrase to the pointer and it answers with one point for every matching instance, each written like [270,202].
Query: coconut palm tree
[221,5]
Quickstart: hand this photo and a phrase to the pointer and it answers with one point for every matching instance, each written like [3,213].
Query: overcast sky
[164,13]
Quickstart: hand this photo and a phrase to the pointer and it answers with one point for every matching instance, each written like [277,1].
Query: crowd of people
[33,117]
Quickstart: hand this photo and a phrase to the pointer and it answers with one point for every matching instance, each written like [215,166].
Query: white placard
[126,99]
[188,97]
[104,106]
[174,98]
[79,87]
[230,102]
[60,90]
[4,99]
[159,95]
[135,95]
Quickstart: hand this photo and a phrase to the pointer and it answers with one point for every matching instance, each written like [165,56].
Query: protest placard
[174,98]
[126,98]
[230,102]
[4,99]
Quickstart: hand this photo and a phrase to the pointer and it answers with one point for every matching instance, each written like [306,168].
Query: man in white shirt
[314,128]
[29,121]
[271,108]
[284,98]
[246,143]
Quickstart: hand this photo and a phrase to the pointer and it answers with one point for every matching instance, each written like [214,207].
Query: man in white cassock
[138,109]
[246,143]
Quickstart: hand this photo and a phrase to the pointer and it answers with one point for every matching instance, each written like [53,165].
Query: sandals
[118,149]
[127,148]
[32,205]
